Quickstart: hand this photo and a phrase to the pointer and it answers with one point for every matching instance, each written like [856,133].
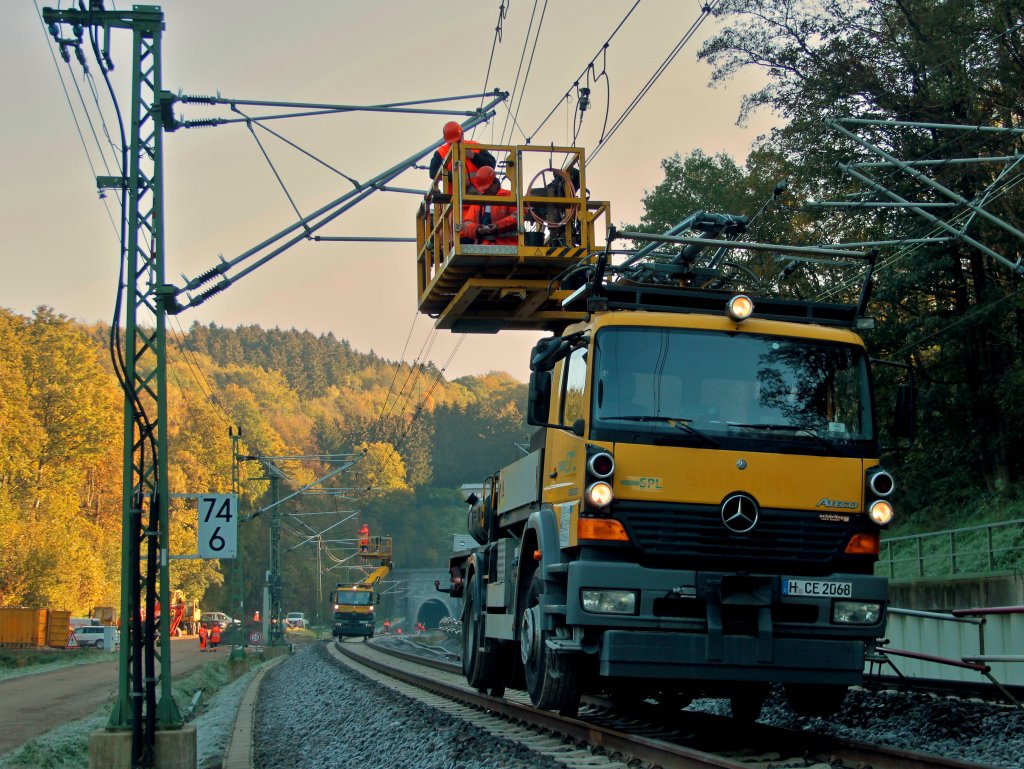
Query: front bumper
[355,626]
[720,626]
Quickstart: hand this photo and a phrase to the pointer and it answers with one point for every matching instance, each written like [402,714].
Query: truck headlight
[599,494]
[881,512]
[856,612]
[609,601]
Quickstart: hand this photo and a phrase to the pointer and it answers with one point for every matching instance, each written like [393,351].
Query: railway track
[602,736]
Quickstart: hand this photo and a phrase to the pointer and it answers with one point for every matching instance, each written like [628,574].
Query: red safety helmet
[452,132]
[483,178]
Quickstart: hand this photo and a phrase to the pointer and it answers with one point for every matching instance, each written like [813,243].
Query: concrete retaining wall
[960,593]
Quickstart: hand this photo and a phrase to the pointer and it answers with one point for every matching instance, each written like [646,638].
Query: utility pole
[274,573]
[144,702]
[237,583]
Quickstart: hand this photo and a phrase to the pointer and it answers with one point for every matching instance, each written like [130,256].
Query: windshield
[354,597]
[731,385]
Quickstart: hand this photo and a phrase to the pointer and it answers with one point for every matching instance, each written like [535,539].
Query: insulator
[212,291]
[197,99]
[202,123]
[206,277]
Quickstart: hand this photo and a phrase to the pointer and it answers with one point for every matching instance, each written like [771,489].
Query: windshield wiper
[799,432]
[676,422]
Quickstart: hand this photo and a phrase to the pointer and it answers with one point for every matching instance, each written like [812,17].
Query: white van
[98,637]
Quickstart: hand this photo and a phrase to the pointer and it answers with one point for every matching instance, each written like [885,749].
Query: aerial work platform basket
[377,549]
[482,287]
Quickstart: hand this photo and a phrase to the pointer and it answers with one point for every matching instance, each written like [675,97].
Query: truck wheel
[746,705]
[815,699]
[551,679]
[479,655]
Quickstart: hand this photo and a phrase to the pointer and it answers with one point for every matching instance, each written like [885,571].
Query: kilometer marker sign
[218,525]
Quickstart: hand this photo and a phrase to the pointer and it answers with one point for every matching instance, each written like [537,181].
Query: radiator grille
[696,534]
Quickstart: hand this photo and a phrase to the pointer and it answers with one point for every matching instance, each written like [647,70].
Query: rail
[986,549]
[640,734]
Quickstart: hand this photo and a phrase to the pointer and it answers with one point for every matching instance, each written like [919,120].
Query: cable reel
[556,183]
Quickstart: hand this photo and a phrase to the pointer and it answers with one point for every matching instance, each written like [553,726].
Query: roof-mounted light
[740,307]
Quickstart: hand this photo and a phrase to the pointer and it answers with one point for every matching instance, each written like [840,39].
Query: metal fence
[991,548]
[968,645]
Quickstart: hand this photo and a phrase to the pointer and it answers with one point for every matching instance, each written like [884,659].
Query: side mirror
[539,398]
[579,427]
[905,416]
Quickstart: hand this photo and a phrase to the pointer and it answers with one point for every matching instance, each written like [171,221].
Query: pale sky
[59,246]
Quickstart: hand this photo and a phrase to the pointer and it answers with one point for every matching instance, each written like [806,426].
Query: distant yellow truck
[105,615]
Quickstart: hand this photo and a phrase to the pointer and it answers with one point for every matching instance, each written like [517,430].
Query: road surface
[34,704]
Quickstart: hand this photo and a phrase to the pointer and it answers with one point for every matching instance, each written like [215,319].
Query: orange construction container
[33,628]
[23,627]
[57,632]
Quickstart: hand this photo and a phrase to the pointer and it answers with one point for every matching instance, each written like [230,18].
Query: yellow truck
[700,511]
[354,603]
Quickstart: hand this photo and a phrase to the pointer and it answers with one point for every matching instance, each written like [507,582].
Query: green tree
[955,311]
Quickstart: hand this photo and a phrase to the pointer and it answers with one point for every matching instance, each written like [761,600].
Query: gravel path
[313,713]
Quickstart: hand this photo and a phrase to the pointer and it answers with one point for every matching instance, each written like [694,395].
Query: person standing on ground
[214,637]
[202,637]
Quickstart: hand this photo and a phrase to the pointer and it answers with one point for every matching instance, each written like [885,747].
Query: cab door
[565,453]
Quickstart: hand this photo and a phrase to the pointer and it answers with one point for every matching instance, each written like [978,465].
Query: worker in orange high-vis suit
[364,538]
[491,223]
[475,158]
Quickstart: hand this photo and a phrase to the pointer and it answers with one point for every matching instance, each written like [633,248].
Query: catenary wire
[519,69]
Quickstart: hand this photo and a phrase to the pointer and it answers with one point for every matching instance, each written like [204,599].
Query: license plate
[817,588]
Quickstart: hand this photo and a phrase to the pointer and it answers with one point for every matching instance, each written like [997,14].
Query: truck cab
[700,517]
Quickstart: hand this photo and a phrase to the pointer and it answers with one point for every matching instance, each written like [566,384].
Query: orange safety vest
[441,157]
[215,634]
[501,215]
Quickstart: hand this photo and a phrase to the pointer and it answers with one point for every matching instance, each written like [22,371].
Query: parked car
[220,618]
[93,635]
[295,619]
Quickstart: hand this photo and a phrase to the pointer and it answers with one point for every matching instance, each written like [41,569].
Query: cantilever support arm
[231,271]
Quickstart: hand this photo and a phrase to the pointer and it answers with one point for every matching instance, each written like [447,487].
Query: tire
[746,705]
[551,679]
[479,654]
[99,644]
[821,700]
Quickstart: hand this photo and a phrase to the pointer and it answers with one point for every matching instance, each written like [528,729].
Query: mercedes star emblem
[739,513]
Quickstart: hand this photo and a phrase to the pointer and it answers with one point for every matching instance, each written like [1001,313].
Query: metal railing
[990,548]
[961,645]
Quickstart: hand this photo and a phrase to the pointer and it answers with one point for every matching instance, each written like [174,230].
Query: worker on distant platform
[256,616]
[364,538]
[387,626]
[214,637]
[491,223]
[475,158]
[202,637]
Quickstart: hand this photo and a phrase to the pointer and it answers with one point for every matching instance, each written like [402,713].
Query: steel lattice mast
[144,702]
